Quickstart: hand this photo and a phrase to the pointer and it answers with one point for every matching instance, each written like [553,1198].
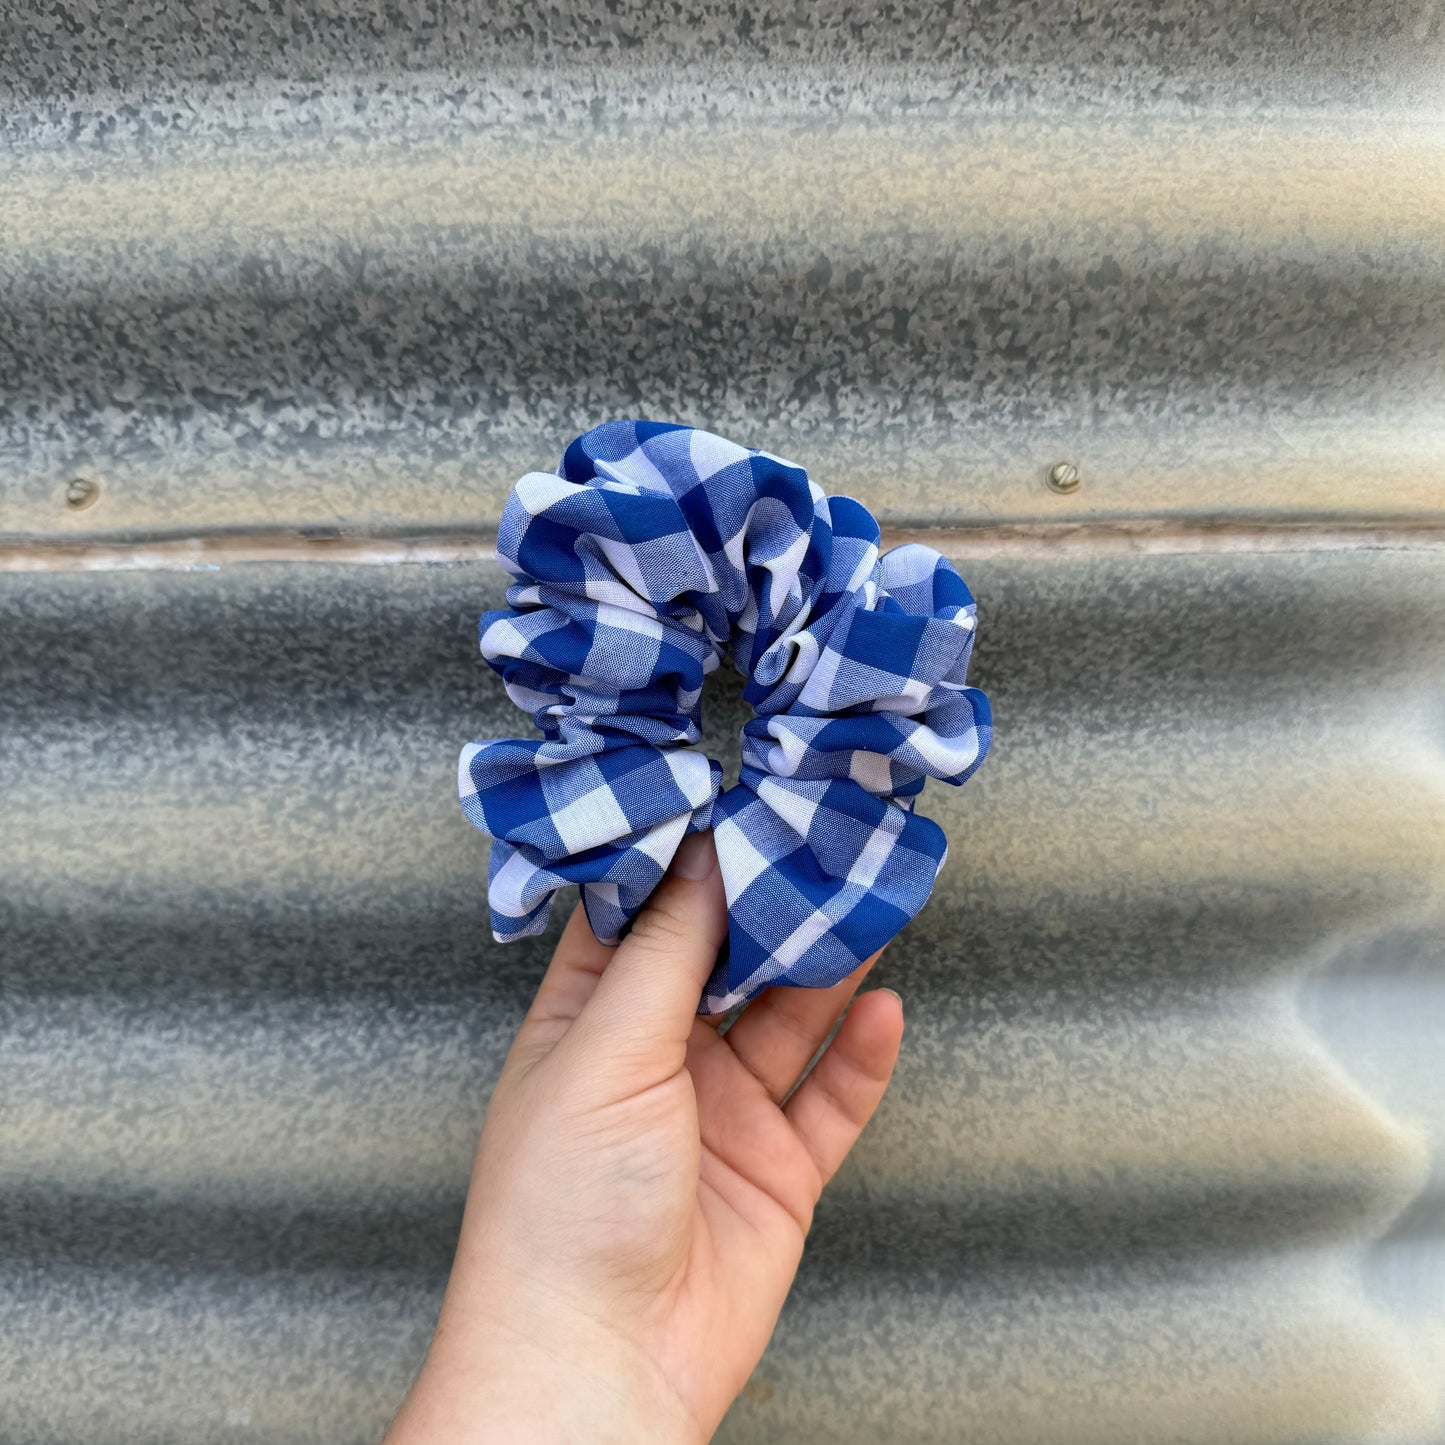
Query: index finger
[571,978]
[643,1008]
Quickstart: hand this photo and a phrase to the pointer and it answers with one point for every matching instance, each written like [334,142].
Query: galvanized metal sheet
[1163,1158]
[1169,1077]
[318,266]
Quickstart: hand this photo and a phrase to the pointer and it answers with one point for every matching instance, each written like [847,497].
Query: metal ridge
[209,551]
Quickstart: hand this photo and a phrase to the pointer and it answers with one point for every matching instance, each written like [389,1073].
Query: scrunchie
[652,551]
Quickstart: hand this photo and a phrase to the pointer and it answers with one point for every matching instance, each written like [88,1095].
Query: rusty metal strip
[1038,540]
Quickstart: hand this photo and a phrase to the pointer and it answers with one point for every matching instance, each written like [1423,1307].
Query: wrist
[512,1392]
[562,1409]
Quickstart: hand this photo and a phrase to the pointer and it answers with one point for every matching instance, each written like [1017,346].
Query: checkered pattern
[651,553]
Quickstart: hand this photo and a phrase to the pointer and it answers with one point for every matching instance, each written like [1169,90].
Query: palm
[743,1174]
[754,1194]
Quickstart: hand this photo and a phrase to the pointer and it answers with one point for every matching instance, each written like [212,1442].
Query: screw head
[1064,477]
[80,493]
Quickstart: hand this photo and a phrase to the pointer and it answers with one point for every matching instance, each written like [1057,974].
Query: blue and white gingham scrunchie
[652,551]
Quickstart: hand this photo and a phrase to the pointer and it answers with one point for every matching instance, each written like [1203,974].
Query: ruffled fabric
[651,553]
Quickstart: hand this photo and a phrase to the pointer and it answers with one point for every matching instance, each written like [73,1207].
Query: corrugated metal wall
[289,293]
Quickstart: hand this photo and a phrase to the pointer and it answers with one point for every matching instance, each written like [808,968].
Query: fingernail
[895,994]
[695,858]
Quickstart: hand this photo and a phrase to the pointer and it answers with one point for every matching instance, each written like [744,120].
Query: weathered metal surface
[1173,1015]
[354,266]
[290,287]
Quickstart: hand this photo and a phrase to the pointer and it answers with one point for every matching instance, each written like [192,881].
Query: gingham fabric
[652,551]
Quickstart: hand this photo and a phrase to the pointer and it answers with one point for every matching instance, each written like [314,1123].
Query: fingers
[647,997]
[838,1098]
[777,1036]
[571,977]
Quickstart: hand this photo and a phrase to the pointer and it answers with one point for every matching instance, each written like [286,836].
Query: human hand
[641,1191]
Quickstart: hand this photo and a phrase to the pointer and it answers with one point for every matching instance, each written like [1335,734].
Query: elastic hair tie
[651,552]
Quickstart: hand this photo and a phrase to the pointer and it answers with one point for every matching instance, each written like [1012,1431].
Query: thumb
[642,1012]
